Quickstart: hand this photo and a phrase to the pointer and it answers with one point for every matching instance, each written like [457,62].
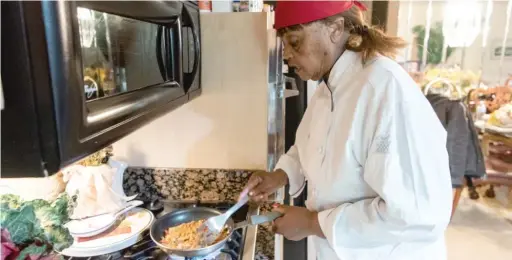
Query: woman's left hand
[296,223]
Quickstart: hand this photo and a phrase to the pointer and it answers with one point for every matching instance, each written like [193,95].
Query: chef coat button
[321,149]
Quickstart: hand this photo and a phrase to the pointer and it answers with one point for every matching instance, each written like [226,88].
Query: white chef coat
[376,165]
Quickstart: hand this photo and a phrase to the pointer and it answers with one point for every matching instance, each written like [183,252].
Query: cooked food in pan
[187,236]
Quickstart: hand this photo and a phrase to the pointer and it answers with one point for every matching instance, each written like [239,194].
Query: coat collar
[347,62]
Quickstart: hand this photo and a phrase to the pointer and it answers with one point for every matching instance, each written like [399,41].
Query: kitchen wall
[225,127]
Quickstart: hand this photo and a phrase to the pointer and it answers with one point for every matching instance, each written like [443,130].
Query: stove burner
[212,256]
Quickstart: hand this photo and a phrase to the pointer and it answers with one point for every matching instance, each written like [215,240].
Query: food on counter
[35,226]
[186,236]
[97,158]
[465,79]
[502,117]
[494,98]
[498,97]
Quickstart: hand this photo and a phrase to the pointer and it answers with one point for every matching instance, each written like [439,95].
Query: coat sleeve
[290,163]
[457,144]
[407,167]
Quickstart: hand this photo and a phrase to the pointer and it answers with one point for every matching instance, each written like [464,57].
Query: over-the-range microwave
[79,75]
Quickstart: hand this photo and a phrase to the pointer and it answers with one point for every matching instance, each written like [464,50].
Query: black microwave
[79,75]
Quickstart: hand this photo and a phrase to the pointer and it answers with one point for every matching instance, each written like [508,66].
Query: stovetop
[146,249]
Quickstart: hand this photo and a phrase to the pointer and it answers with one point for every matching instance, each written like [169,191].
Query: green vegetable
[10,201]
[37,220]
[51,214]
[59,237]
[32,250]
[22,224]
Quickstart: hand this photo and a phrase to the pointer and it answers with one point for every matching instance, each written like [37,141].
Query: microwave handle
[187,22]
[159,58]
[1,96]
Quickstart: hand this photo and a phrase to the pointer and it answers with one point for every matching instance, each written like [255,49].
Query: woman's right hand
[261,184]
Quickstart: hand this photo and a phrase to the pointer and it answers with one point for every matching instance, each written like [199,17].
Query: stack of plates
[123,234]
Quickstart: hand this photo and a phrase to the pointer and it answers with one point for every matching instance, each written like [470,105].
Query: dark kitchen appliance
[147,250]
[295,108]
[79,75]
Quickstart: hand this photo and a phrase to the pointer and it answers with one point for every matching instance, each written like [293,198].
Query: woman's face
[311,50]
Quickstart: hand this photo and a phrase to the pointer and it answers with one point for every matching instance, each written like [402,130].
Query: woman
[370,146]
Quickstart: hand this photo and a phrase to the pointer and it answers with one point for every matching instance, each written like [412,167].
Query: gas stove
[146,249]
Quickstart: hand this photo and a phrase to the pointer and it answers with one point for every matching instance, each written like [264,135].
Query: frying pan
[181,216]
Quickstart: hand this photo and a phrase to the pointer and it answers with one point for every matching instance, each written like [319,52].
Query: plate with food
[124,233]
[179,232]
[501,120]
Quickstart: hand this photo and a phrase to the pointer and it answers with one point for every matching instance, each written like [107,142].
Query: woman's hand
[297,223]
[261,184]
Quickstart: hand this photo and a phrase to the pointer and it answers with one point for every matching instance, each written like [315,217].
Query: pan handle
[258,219]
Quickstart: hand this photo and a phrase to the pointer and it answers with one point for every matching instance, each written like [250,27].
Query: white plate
[90,226]
[501,130]
[96,225]
[136,222]
[480,124]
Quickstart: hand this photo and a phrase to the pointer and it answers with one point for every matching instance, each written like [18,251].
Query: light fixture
[462,22]
[487,27]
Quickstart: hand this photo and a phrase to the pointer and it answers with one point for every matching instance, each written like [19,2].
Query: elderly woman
[370,147]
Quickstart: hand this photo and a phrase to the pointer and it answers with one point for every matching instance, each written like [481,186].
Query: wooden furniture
[489,137]
[456,197]
[495,178]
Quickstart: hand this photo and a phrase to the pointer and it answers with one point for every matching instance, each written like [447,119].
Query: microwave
[79,75]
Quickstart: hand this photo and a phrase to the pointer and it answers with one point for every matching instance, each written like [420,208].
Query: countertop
[265,239]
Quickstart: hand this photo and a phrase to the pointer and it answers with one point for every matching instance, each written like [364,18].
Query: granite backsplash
[185,184]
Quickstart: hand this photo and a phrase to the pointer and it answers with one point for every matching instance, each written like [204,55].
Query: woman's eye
[294,42]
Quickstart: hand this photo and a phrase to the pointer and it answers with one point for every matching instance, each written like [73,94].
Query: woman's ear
[336,29]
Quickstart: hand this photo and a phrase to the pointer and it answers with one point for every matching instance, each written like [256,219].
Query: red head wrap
[290,13]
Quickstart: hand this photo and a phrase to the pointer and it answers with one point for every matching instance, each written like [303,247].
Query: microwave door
[141,56]
[118,51]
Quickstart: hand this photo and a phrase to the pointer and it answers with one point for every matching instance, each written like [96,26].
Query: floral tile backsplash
[185,184]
